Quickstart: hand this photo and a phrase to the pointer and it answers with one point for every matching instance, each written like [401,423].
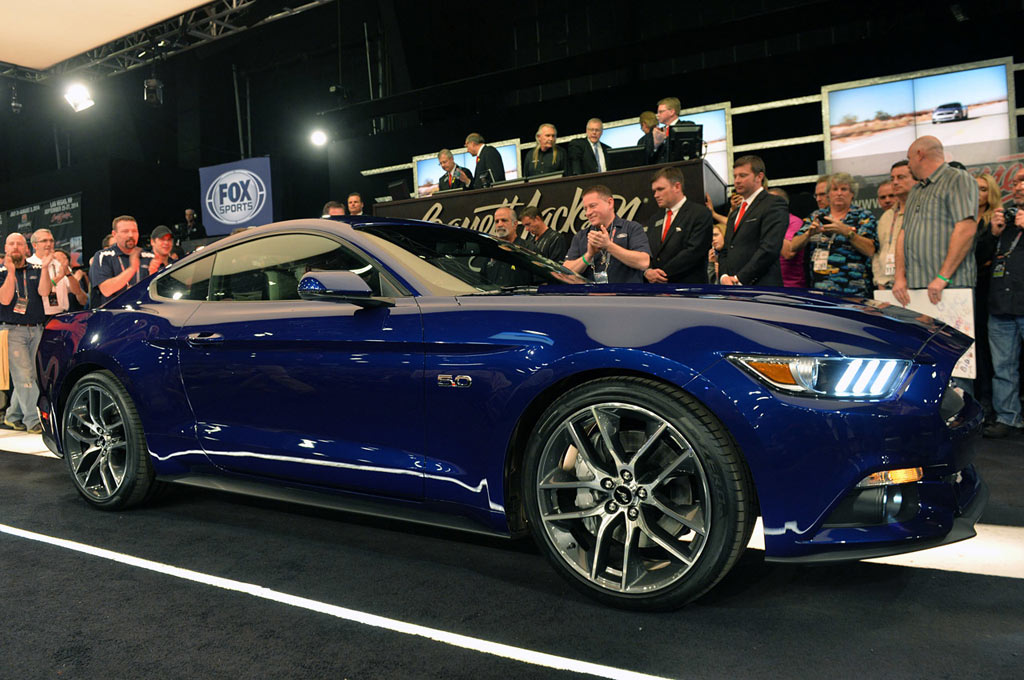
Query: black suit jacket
[443,183]
[581,156]
[752,251]
[684,254]
[489,159]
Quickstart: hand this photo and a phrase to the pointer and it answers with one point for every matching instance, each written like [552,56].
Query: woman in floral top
[842,239]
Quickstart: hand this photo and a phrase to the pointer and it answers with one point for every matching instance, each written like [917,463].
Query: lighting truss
[194,28]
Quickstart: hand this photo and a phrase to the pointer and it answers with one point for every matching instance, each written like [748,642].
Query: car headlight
[840,378]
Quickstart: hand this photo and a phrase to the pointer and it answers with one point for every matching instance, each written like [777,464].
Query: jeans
[22,343]
[1004,338]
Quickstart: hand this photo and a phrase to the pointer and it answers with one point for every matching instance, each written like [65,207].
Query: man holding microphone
[610,249]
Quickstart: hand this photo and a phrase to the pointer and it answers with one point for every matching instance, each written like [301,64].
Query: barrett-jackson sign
[560,201]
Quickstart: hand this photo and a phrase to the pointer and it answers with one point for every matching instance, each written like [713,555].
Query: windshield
[482,262]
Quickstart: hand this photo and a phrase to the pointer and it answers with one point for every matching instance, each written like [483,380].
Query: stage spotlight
[153,92]
[78,96]
[319,137]
[15,104]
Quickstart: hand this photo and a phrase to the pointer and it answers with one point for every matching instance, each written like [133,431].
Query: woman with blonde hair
[989,200]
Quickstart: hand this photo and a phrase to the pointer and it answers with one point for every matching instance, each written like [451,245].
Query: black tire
[104,444]
[667,524]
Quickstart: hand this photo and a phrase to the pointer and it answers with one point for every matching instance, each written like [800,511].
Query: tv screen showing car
[872,125]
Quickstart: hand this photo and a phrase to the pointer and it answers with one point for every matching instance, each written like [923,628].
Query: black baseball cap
[159,232]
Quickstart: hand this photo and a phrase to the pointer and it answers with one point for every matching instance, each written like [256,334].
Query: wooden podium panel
[559,200]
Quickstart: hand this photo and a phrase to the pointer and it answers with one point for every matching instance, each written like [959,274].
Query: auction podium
[560,199]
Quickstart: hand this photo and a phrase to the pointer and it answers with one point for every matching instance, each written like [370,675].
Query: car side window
[191,282]
[270,268]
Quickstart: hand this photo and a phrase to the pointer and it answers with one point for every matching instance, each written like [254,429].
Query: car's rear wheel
[636,493]
[104,444]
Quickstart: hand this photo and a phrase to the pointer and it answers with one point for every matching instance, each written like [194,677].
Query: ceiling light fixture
[77,95]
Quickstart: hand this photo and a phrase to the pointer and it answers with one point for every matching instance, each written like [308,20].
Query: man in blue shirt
[120,266]
[22,291]
[610,249]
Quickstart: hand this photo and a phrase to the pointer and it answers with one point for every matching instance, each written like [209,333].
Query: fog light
[887,477]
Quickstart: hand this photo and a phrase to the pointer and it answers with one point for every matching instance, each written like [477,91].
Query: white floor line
[444,637]
[997,550]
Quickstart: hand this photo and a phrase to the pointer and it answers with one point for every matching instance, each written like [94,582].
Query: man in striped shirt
[939,225]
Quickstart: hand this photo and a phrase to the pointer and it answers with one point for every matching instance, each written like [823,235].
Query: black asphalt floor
[66,614]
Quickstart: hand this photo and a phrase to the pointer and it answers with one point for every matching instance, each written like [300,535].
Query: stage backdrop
[236,195]
[559,200]
[62,216]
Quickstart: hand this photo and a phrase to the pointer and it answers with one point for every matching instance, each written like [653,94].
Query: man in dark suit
[655,141]
[489,166]
[681,235]
[587,155]
[455,176]
[754,232]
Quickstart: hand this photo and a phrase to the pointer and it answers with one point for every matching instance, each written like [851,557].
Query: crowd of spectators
[939,227]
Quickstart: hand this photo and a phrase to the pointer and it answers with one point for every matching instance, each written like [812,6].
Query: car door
[320,392]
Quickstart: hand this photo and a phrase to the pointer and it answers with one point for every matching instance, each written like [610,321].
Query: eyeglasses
[42,240]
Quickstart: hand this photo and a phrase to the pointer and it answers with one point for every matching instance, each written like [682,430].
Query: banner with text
[236,195]
[560,201]
[62,216]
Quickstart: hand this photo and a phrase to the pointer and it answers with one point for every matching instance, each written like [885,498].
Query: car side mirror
[340,286]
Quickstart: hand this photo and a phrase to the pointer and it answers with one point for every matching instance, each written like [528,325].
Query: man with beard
[542,239]
[546,157]
[610,249]
[120,266]
[23,287]
[161,242]
[503,272]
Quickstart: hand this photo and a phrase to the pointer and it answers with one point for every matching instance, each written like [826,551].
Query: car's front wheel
[636,493]
[104,444]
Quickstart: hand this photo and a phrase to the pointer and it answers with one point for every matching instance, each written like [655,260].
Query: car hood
[847,326]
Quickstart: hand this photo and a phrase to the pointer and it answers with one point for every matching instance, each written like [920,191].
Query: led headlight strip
[841,378]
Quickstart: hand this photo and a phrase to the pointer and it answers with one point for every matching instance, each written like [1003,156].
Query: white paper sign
[956,308]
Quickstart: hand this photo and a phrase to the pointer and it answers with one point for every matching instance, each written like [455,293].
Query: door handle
[204,338]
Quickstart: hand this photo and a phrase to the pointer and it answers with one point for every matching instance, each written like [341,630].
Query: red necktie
[739,216]
[451,179]
[668,221]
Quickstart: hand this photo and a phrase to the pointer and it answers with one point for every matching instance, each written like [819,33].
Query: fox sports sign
[236,196]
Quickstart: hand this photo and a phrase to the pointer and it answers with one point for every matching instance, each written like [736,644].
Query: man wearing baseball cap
[161,242]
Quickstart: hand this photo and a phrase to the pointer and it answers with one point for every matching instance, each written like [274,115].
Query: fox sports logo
[236,196]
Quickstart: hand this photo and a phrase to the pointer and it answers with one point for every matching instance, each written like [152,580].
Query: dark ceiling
[439,70]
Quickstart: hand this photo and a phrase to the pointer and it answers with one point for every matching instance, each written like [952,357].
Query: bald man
[22,291]
[939,226]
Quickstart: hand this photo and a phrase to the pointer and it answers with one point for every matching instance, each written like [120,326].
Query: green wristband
[940,276]
[584,258]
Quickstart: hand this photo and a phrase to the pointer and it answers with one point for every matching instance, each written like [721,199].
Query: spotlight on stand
[153,91]
[15,104]
[319,138]
[77,95]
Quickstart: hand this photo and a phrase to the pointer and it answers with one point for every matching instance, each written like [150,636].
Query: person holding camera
[1006,317]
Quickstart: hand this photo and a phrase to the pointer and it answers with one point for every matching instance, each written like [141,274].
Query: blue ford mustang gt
[439,375]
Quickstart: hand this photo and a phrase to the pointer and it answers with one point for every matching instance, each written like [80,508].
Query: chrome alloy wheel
[96,442]
[623,498]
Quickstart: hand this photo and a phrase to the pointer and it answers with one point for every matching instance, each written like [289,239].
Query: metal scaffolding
[194,28]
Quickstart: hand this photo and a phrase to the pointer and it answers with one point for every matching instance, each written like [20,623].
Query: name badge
[819,260]
[890,264]
[21,305]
